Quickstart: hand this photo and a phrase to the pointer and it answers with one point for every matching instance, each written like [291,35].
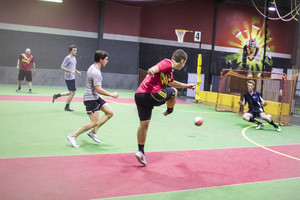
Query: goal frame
[283,78]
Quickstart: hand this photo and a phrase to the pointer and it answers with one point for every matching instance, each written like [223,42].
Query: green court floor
[39,129]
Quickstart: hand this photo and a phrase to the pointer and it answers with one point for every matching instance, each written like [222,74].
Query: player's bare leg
[170,104]
[29,86]
[141,138]
[108,113]
[94,117]
[19,86]
[268,118]
[249,117]
[55,96]
[69,99]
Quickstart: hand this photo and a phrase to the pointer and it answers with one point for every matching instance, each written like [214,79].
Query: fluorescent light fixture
[271,6]
[55,1]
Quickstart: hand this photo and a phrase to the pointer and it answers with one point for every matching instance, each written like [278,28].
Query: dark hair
[179,55]
[100,54]
[71,47]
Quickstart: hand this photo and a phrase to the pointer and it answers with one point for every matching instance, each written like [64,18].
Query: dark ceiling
[284,6]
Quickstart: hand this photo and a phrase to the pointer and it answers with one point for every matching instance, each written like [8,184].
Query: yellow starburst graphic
[251,43]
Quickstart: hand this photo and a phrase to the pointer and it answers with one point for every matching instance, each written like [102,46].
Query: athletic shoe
[259,126]
[93,136]
[165,113]
[17,90]
[141,158]
[72,140]
[68,109]
[30,92]
[278,129]
[54,97]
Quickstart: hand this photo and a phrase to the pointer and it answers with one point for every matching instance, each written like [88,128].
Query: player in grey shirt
[94,77]
[69,66]
[93,102]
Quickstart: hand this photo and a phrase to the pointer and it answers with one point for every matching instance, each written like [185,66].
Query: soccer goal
[277,90]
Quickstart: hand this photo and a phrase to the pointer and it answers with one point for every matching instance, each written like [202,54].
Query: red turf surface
[112,175]
[75,99]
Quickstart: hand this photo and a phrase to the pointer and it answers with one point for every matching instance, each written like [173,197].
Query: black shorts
[94,105]
[71,85]
[23,74]
[255,113]
[146,101]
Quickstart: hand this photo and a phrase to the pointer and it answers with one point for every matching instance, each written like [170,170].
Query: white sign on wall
[197,36]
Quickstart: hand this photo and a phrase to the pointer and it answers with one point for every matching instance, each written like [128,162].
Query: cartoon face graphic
[252,49]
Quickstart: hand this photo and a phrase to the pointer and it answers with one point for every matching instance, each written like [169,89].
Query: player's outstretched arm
[153,70]
[241,103]
[177,84]
[264,103]
[100,90]
[18,64]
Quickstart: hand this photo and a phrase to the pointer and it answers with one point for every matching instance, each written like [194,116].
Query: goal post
[277,90]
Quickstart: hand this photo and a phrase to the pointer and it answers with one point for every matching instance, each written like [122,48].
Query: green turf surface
[40,128]
[270,190]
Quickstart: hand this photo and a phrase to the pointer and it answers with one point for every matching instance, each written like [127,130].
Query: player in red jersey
[158,88]
[27,61]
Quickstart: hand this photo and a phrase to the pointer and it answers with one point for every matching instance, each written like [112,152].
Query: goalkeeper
[256,104]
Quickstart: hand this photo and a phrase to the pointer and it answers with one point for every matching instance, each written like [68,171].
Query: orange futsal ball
[198,121]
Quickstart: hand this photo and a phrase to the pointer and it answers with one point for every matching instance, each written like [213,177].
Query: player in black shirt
[256,107]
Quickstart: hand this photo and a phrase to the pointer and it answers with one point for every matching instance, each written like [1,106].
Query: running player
[93,102]
[256,104]
[69,66]
[156,89]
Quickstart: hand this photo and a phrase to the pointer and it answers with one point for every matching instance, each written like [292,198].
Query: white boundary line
[126,38]
[54,31]
[264,147]
[203,188]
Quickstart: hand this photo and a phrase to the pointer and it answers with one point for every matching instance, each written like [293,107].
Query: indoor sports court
[227,42]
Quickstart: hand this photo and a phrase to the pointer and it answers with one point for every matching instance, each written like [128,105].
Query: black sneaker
[68,109]
[54,97]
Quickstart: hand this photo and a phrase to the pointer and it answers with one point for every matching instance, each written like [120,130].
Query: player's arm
[18,63]
[33,65]
[242,103]
[101,91]
[64,68]
[177,84]
[153,70]
[263,103]
[78,72]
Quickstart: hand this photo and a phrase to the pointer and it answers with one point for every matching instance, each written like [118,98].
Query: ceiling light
[55,1]
[271,6]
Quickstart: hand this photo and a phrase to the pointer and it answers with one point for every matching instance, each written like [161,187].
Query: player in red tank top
[26,61]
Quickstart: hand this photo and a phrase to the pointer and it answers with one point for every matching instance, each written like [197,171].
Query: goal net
[277,90]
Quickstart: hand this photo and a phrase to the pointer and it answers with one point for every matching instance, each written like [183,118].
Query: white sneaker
[72,140]
[141,158]
[165,113]
[93,136]
[259,126]
[278,129]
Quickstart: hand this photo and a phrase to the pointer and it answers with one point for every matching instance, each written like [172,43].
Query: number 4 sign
[197,36]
